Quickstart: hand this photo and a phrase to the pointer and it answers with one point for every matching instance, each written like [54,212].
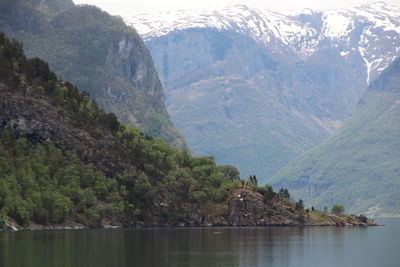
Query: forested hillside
[62,156]
[98,53]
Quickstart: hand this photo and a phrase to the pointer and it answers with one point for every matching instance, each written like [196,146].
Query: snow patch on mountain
[303,32]
[336,25]
[262,25]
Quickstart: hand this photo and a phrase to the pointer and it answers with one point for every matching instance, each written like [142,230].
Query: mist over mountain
[257,88]
[99,53]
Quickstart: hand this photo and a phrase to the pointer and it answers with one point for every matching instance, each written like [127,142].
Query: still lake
[270,246]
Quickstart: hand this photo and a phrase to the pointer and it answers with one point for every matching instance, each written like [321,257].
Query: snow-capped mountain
[352,30]
[256,88]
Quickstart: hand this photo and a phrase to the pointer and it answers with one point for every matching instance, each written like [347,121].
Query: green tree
[58,206]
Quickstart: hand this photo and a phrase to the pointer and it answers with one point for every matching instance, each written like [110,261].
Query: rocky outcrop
[247,207]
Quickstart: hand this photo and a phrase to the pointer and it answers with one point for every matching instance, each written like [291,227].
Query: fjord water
[271,246]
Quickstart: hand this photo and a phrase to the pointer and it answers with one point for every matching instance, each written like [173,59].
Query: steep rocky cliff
[97,52]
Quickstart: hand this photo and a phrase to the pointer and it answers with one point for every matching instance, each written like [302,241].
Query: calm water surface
[275,246]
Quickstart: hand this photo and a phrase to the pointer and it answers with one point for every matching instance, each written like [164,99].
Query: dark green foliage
[230,171]
[43,183]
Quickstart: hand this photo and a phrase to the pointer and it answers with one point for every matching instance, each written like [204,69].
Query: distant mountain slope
[359,166]
[257,88]
[97,52]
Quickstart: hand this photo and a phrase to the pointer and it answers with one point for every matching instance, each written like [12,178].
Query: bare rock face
[128,57]
[134,92]
[131,83]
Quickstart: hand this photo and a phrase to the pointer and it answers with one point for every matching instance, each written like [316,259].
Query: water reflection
[277,246]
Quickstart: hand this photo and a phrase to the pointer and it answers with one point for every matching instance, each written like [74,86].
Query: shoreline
[77,226]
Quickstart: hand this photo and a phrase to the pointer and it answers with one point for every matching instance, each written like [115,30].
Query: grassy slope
[360,165]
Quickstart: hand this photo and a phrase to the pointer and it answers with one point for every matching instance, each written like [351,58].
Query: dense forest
[48,184]
[63,159]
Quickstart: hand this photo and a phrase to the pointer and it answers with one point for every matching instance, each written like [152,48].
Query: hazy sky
[127,7]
